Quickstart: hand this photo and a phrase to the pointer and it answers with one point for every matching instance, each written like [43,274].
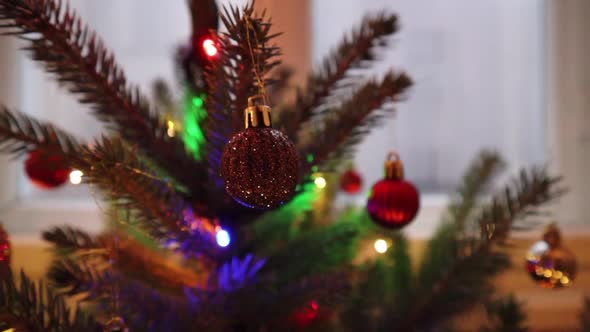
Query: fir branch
[57,38]
[154,203]
[443,247]
[505,315]
[382,291]
[315,251]
[119,173]
[84,275]
[68,239]
[466,276]
[231,79]
[20,133]
[352,53]
[38,309]
[342,128]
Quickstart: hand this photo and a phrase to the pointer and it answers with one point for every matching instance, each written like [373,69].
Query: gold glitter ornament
[260,165]
[549,263]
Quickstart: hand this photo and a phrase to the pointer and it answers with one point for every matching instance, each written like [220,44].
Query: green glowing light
[310,158]
[314,169]
[194,114]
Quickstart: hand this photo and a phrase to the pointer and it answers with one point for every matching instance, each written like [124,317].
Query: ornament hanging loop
[394,168]
[257,114]
[552,235]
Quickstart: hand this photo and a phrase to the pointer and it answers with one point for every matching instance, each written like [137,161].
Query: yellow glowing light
[557,275]
[548,273]
[9,330]
[564,280]
[76,176]
[171,130]
[320,182]
[381,246]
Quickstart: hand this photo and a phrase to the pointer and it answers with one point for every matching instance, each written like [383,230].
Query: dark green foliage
[333,136]
[452,281]
[335,75]
[154,203]
[34,308]
[505,315]
[67,239]
[315,251]
[20,133]
[384,288]
[56,37]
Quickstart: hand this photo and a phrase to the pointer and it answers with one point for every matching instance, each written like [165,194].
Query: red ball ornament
[393,202]
[351,182]
[45,170]
[305,316]
[5,247]
[260,165]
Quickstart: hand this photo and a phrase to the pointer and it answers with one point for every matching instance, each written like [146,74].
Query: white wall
[568,92]
[478,69]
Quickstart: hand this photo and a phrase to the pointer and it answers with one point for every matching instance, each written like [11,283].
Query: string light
[76,176]
[381,246]
[320,182]
[171,130]
[223,239]
[209,47]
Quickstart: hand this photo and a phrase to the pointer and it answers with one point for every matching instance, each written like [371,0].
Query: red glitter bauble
[45,170]
[260,167]
[393,202]
[351,182]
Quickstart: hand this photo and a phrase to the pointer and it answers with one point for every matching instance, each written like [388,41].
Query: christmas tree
[212,198]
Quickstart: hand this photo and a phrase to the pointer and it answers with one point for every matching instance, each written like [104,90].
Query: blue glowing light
[223,238]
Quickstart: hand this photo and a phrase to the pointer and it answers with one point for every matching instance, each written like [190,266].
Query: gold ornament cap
[552,235]
[257,114]
[394,168]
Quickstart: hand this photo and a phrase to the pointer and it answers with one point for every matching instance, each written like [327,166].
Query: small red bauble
[393,202]
[351,182]
[305,316]
[260,165]
[5,247]
[45,170]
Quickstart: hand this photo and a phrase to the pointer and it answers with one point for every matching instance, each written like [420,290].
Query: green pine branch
[315,251]
[334,76]
[68,239]
[452,281]
[505,315]
[57,38]
[33,307]
[155,204]
[334,136]
[118,171]
[20,133]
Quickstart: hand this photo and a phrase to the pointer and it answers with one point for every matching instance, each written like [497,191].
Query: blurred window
[479,74]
